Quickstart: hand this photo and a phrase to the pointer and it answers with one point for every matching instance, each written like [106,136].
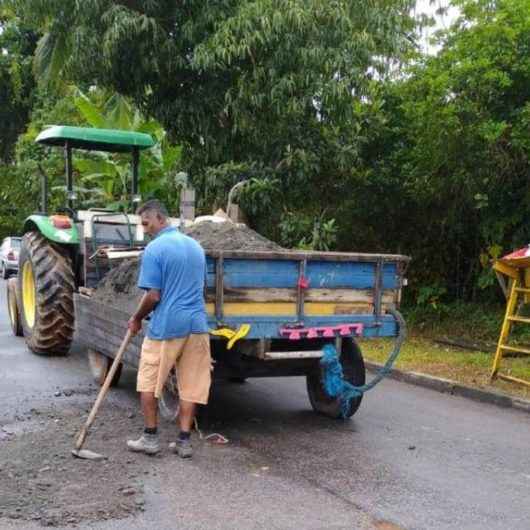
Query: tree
[451,164]
[288,86]
[17,44]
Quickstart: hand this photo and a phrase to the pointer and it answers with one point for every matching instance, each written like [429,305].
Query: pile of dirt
[118,287]
[229,236]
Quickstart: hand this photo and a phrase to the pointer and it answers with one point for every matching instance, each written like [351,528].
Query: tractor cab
[85,231]
[60,253]
[90,139]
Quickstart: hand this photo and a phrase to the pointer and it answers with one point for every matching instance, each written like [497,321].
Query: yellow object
[231,309]
[28,294]
[508,270]
[510,318]
[231,335]
[11,305]
[227,333]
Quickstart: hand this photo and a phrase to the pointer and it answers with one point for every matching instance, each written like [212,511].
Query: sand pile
[229,236]
[118,287]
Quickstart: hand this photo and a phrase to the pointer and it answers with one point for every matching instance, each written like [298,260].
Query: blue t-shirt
[175,264]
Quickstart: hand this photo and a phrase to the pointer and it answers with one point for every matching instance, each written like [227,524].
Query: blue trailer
[271,314]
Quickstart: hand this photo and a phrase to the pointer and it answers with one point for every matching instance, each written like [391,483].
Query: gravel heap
[118,287]
[229,236]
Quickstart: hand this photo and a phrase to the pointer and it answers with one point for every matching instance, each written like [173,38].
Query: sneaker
[147,443]
[182,448]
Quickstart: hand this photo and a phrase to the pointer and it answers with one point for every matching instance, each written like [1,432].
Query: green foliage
[16,193]
[101,179]
[20,192]
[107,176]
[476,321]
[343,145]
[291,87]
[260,195]
[17,43]
[429,298]
[307,232]
[445,176]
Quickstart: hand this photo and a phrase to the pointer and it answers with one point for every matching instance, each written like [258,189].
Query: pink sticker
[342,330]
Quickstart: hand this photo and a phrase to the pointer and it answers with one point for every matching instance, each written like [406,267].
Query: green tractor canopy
[90,139]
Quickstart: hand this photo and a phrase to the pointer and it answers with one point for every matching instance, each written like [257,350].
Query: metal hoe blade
[86,454]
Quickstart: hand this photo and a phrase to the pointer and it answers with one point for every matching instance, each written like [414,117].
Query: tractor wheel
[100,365]
[354,372]
[13,307]
[46,286]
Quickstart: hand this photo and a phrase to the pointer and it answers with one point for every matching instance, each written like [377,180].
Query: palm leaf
[51,56]
[89,110]
[104,167]
[119,112]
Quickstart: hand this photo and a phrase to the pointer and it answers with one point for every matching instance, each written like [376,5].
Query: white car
[9,256]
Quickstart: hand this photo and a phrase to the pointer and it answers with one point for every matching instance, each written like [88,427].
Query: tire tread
[53,329]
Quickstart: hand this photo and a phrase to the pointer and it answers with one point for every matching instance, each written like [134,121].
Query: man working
[172,272]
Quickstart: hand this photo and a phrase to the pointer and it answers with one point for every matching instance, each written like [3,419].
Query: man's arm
[147,304]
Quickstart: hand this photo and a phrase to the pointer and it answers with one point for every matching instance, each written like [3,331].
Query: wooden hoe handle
[103,392]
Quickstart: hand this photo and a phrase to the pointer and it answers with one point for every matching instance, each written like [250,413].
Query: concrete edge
[446,386]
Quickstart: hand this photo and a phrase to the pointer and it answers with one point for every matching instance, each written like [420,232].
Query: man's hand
[147,304]
[134,325]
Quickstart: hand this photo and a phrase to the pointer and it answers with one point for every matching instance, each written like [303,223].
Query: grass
[421,353]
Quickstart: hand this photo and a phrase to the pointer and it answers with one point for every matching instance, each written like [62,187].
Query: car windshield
[15,243]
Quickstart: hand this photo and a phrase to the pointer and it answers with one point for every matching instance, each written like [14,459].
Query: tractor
[58,254]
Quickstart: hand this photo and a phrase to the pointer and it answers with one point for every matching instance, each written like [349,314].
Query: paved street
[410,458]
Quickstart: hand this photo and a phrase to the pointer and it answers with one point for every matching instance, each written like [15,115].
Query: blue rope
[333,380]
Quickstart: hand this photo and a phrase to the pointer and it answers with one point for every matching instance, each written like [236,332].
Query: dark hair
[154,206]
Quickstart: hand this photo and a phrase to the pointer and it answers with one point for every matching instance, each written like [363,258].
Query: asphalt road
[410,458]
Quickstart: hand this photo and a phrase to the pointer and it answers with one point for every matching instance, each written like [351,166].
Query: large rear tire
[46,286]
[13,307]
[354,372]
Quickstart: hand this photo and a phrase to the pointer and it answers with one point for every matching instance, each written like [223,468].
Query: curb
[446,386]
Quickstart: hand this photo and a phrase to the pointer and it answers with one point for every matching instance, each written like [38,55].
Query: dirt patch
[118,288]
[42,481]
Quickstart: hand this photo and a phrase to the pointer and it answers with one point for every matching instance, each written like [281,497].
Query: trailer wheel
[100,365]
[168,404]
[46,286]
[12,306]
[354,372]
